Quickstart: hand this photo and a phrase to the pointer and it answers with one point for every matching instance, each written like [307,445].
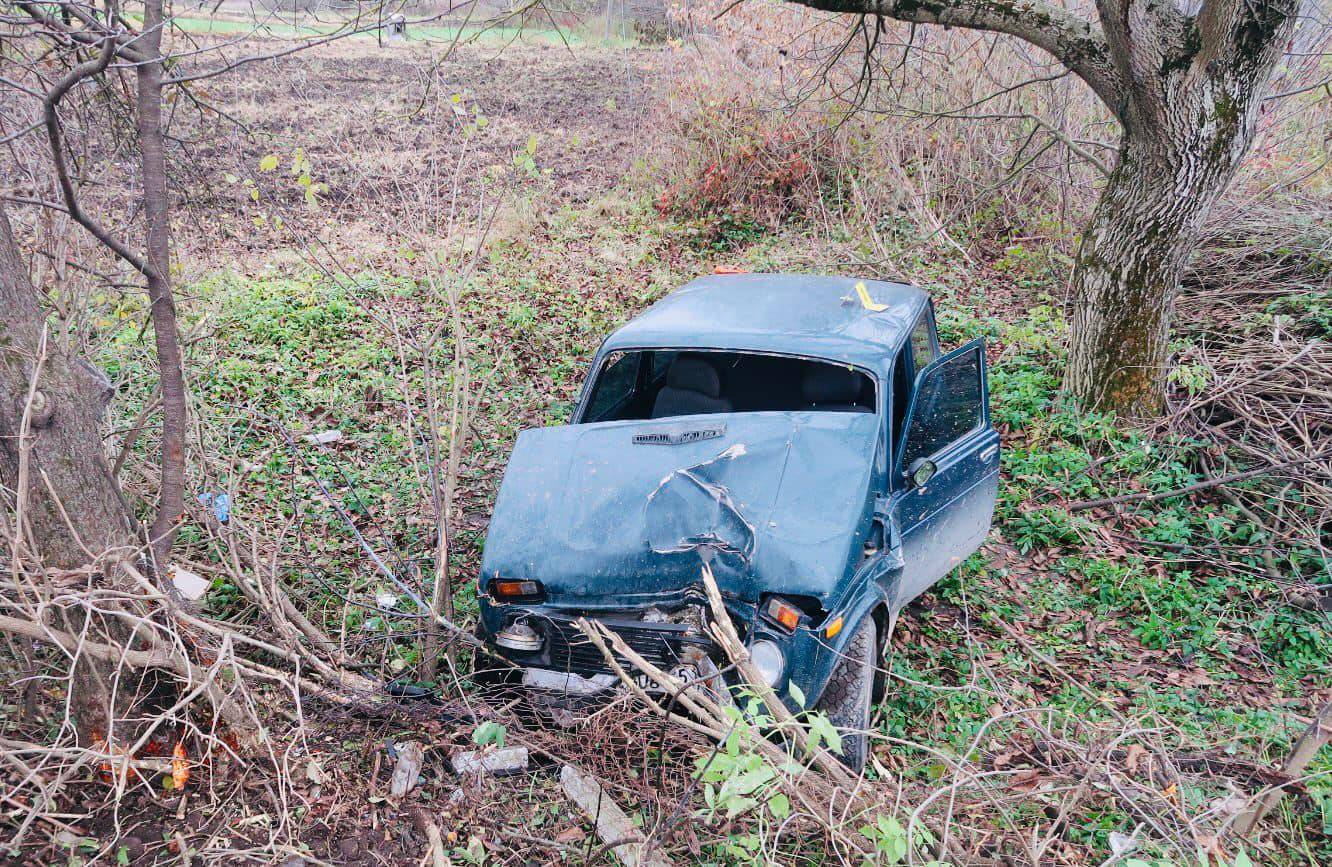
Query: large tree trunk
[73,513]
[1191,89]
[62,507]
[1184,137]
[1128,267]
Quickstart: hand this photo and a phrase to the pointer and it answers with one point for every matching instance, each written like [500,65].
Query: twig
[1147,497]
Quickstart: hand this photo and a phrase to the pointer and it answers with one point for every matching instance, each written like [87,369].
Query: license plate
[683,673]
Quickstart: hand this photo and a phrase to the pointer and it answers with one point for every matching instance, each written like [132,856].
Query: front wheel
[846,698]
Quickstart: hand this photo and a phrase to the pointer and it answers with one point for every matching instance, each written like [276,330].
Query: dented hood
[617,513]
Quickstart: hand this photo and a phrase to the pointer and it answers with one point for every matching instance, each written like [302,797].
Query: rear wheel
[846,698]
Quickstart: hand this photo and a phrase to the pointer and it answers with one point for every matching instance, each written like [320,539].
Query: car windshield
[657,383]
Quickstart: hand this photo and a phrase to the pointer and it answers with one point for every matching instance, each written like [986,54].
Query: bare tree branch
[1077,43]
[87,69]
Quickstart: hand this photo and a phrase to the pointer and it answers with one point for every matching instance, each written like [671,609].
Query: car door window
[661,362]
[615,385]
[947,405]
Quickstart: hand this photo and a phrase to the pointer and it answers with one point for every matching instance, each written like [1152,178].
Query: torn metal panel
[692,510]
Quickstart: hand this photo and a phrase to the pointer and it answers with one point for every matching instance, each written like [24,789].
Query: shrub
[737,161]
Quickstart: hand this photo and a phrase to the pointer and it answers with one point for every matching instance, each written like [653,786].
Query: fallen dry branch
[1315,737]
[809,774]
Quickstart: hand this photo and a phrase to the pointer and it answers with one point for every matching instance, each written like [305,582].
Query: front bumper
[567,661]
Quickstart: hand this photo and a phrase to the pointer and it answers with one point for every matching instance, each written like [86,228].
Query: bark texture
[1190,92]
[72,511]
[158,256]
[1187,89]
[62,505]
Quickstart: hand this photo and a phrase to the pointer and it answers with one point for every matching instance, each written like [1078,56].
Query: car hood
[618,514]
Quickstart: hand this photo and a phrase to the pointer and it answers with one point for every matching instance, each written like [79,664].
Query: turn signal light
[507,589]
[784,613]
[834,627]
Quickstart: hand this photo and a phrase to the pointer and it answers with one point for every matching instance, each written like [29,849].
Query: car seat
[693,386]
[832,389]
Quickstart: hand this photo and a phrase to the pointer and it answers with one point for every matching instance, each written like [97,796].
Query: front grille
[662,644]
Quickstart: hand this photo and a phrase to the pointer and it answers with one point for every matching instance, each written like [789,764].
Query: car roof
[795,314]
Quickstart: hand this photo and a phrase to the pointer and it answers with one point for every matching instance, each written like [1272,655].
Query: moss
[1226,113]
[1179,61]
[1255,30]
[908,8]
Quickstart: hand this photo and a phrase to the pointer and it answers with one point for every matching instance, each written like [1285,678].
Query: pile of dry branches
[1257,313]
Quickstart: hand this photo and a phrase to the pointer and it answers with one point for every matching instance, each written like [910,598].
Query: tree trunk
[1186,131]
[1128,268]
[158,248]
[73,513]
[64,510]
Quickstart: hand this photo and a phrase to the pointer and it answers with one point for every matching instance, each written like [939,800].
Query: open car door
[946,470]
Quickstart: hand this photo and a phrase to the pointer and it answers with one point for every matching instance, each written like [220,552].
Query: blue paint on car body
[763,424]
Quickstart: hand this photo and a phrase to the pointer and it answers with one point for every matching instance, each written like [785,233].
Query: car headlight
[768,659]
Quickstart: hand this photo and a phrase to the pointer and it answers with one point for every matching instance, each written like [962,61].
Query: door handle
[989,452]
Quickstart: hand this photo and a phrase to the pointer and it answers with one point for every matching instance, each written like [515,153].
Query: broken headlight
[769,660]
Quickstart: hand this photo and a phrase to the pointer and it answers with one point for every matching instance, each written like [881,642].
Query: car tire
[847,697]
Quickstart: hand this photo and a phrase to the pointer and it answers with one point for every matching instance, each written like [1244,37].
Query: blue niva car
[805,436]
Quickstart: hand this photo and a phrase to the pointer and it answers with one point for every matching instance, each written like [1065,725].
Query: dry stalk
[818,784]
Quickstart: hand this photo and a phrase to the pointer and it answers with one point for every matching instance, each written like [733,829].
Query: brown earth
[391,131]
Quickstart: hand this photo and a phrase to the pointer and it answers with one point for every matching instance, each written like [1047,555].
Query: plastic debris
[407,771]
[220,505]
[324,437]
[1121,844]
[188,584]
[180,766]
[512,760]
[566,683]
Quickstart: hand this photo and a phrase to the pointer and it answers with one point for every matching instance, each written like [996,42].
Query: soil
[391,130]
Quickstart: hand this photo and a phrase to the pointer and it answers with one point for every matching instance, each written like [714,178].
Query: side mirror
[921,471]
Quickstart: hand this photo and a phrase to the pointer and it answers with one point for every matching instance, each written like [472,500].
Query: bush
[739,162]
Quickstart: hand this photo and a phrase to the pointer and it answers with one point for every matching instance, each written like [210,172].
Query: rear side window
[923,350]
[947,408]
[901,393]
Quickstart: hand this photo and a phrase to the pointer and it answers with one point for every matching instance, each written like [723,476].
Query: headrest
[692,373]
[825,383]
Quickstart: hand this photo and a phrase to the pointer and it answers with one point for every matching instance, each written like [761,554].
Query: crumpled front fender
[813,656]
